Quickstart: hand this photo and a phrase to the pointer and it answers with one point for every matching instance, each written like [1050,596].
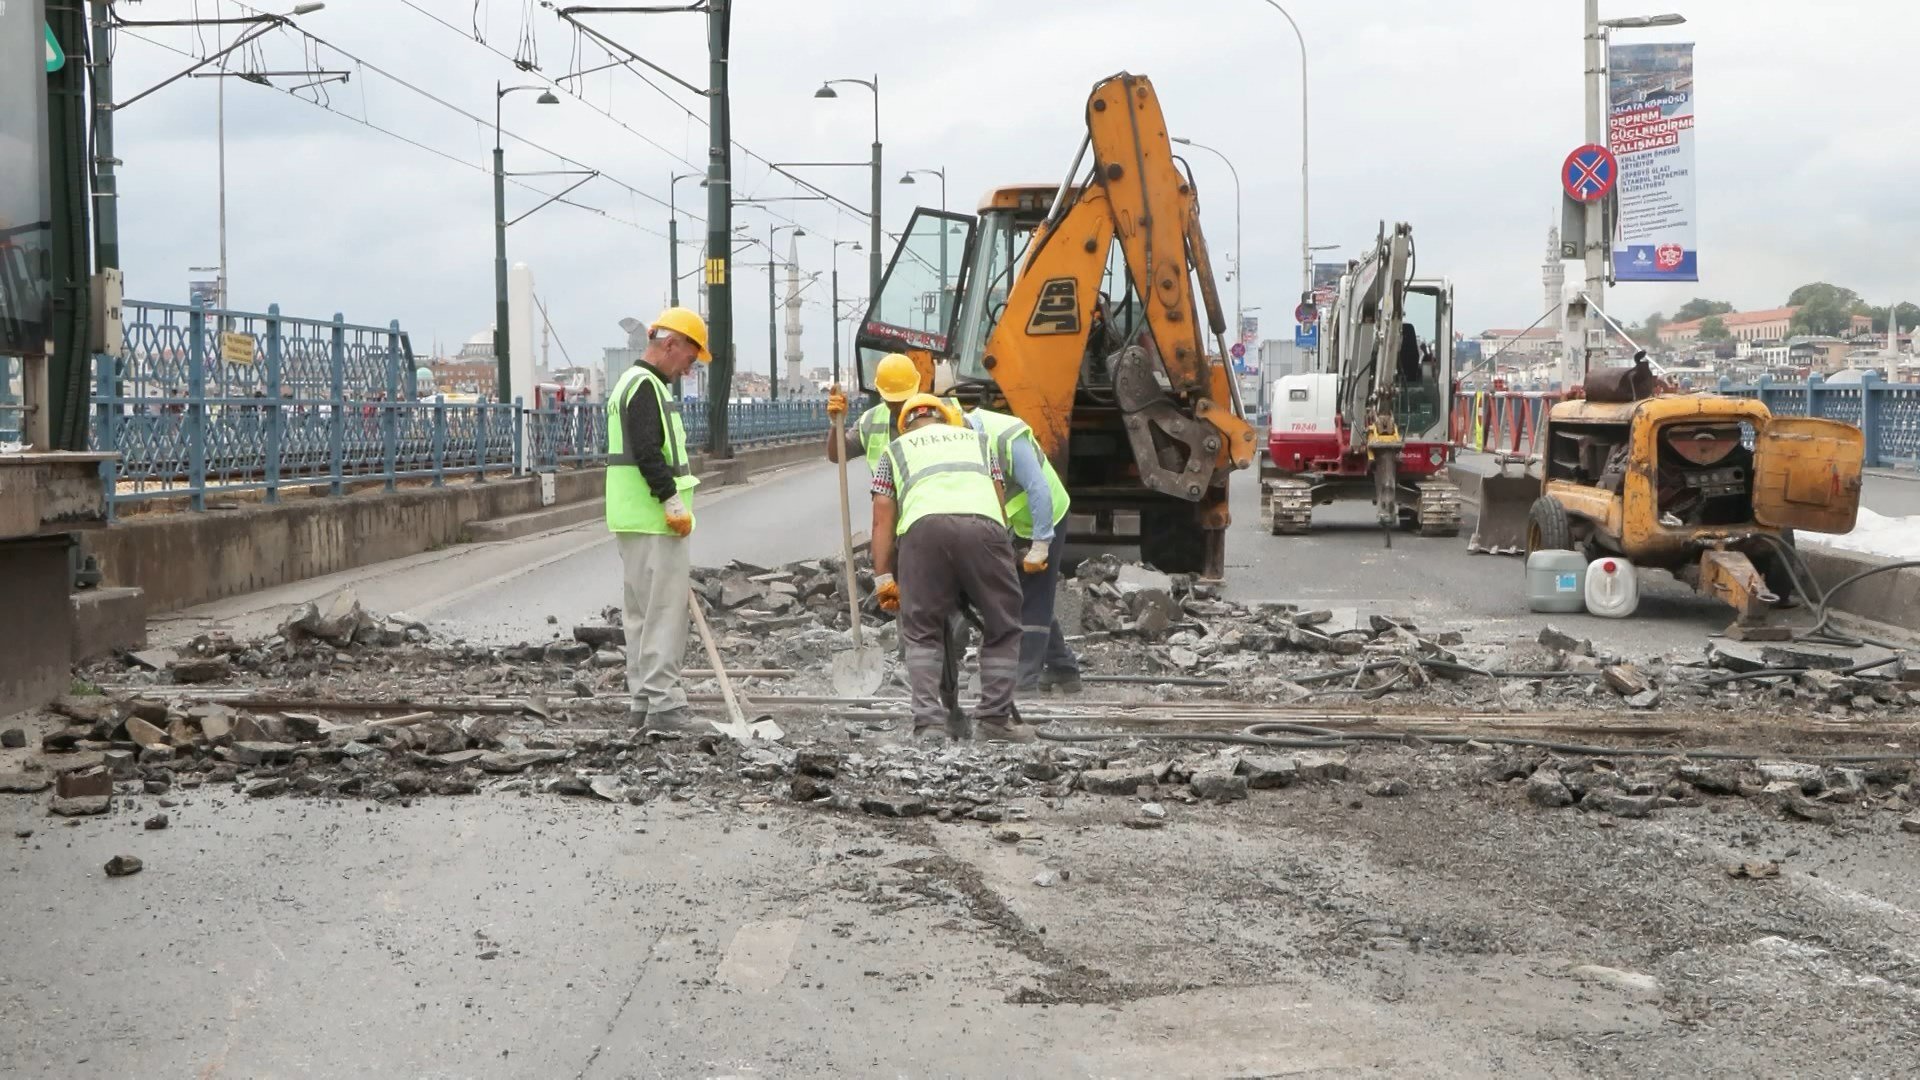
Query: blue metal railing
[192,408]
[1888,414]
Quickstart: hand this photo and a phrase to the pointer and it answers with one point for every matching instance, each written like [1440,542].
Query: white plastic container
[1554,581]
[1613,587]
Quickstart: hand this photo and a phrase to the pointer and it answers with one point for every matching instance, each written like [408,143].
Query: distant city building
[1514,344]
[1773,324]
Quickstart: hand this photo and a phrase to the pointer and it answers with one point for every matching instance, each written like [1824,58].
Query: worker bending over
[937,504]
[1036,512]
[897,379]
[650,513]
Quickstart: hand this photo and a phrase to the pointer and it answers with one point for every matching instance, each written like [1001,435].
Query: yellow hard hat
[687,322]
[896,378]
[916,403]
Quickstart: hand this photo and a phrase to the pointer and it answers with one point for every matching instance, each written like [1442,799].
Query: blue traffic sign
[1306,336]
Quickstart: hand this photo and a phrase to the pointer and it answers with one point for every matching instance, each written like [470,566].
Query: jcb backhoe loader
[1076,309]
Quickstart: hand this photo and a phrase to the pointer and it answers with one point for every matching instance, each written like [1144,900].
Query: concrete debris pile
[1638,786]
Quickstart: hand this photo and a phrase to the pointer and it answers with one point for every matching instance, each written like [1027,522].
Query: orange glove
[887,592]
[679,518]
[836,402]
[1035,560]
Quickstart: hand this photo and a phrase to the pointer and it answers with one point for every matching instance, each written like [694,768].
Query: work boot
[1002,729]
[930,733]
[637,717]
[1065,682]
[679,722]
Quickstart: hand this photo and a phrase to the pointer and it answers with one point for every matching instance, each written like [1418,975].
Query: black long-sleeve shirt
[640,428]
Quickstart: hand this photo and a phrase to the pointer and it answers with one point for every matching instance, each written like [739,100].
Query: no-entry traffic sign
[1589,172]
[1306,314]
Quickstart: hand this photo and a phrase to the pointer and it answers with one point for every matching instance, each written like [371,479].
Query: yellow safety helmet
[896,378]
[686,322]
[921,402]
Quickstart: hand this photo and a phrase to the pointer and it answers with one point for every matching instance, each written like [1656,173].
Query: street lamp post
[503,377]
[1239,251]
[773,310]
[907,178]
[873,233]
[673,237]
[1598,244]
[835,306]
[1306,248]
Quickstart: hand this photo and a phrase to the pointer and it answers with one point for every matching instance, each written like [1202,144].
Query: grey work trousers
[1042,644]
[655,574]
[945,558]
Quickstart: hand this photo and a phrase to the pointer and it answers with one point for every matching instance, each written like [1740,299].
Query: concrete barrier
[191,558]
[1892,598]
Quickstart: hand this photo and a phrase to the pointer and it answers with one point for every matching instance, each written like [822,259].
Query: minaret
[794,355]
[1553,279]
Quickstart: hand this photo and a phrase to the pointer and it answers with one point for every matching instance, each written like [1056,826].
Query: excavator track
[1286,506]
[1438,508]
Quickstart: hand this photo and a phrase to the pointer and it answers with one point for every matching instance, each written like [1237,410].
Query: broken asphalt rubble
[545,716]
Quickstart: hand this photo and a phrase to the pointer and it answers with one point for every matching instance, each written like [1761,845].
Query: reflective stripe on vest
[874,429]
[1005,431]
[631,506]
[941,469]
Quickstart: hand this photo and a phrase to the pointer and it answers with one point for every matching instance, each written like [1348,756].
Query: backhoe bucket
[1503,500]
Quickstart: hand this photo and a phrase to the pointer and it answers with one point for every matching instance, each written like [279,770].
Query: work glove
[886,592]
[679,518]
[1034,561]
[836,403]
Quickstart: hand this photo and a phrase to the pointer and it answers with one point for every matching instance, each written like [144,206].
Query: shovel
[736,727]
[857,672]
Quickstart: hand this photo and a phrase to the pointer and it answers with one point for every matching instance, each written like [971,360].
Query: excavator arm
[1178,404]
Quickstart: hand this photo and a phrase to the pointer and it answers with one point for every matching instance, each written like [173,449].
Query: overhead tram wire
[434,150]
[576,91]
[436,99]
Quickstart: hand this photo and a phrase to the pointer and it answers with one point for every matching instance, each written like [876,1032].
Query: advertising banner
[1650,131]
[1326,281]
[1249,330]
[26,215]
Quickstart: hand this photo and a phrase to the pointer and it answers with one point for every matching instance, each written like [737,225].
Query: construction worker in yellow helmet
[937,505]
[896,379]
[650,513]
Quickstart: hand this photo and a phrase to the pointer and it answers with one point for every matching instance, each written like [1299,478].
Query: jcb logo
[1058,311]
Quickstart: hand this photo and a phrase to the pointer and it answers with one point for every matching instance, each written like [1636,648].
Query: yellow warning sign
[236,348]
[716,271]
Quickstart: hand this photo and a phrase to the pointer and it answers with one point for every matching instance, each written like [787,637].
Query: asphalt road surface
[533,588]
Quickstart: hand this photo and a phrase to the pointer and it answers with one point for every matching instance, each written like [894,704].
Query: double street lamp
[773,309]
[503,377]
[907,178]
[673,235]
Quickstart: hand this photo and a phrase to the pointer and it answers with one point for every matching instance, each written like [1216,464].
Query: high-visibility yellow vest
[1005,431]
[942,469]
[631,506]
[874,429]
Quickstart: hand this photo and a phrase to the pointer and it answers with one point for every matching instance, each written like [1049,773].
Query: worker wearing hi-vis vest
[1036,516]
[937,502]
[896,379]
[650,512]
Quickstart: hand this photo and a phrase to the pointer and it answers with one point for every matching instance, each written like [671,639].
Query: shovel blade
[858,672]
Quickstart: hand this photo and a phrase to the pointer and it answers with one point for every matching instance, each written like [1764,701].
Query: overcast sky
[1453,116]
